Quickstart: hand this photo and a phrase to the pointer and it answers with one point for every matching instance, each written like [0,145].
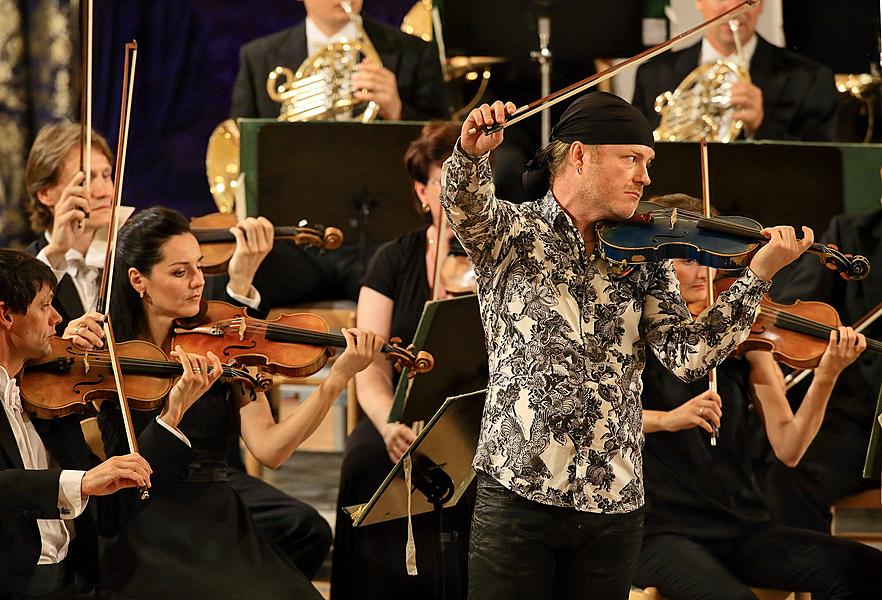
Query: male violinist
[47,473]
[559,508]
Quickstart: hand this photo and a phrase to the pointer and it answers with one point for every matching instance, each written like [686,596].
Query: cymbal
[457,66]
[858,85]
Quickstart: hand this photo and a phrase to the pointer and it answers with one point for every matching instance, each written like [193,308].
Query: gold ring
[700,411]
[197,370]
[77,328]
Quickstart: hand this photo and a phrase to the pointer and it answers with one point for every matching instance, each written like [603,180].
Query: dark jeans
[522,549]
[775,557]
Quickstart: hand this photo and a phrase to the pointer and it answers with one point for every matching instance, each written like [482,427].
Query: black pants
[521,549]
[302,534]
[774,557]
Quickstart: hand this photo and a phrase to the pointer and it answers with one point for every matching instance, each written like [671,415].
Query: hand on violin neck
[254,240]
[478,144]
[844,348]
[362,348]
[782,249]
[200,373]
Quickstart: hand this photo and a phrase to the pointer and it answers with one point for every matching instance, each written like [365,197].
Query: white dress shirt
[709,54]
[55,534]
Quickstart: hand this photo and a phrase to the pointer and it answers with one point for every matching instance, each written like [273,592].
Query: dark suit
[28,495]
[414,62]
[799,95]
[833,464]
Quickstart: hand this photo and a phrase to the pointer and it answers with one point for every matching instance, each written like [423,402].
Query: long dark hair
[139,245]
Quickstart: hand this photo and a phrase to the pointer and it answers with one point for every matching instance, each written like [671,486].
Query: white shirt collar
[10,390]
[316,39]
[709,54]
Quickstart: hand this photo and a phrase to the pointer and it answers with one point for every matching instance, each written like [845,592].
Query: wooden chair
[868,500]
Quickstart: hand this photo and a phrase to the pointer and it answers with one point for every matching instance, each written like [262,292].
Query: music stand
[344,174]
[441,472]
[452,332]
[873,462]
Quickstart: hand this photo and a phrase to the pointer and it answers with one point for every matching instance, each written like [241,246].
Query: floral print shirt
[566,338]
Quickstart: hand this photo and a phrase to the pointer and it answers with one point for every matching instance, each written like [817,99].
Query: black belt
[205,471]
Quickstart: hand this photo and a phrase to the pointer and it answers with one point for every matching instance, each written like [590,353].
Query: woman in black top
[194,537]
[369,561]
[707,531]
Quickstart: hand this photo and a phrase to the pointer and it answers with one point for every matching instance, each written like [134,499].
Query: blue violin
[656,233]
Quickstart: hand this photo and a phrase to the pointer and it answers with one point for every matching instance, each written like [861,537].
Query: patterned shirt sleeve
[483,223]
[691,348]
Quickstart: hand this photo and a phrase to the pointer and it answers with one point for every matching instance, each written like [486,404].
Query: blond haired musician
[559,508]
[789,97]
[408,86]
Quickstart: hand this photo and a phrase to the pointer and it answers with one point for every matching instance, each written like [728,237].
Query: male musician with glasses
[559,508]
[47,472]
[789,97]
[408,87]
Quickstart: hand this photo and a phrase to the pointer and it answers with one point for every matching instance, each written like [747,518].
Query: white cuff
[175,432]
[252,300]
[59,273]
[71,502]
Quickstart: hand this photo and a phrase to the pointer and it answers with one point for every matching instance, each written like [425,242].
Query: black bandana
[596,118]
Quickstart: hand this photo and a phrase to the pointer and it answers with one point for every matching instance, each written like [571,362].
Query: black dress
[194,538]
[369,561]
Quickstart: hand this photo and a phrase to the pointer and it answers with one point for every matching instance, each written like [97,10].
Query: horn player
[789,97]
[408,87]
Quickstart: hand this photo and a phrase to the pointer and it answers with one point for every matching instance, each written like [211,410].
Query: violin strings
[821,329]
[301,335]
[173,368]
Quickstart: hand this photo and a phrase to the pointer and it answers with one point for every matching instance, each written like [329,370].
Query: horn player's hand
[373,82]
[748,102]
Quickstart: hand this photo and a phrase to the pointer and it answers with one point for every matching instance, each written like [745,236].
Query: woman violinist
[194,538]
[369,561]
[707,531]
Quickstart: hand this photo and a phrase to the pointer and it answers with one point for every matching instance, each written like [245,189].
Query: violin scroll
[852,268]
[404,358]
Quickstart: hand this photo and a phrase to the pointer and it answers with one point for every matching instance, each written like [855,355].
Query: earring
[579,170]
[141,293]
[426,208]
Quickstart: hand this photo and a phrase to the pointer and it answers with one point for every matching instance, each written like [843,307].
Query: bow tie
[11,396]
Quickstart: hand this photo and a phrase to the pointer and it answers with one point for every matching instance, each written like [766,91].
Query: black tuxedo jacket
[414,62]
[799,95]
[28,495]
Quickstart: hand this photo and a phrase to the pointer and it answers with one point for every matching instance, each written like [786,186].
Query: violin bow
[104,297]
[706,210]
[794,377]
[547,102]
[86,94]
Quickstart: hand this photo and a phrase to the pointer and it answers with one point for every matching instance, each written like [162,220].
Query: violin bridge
[242,328]
[673,218]
[86,365]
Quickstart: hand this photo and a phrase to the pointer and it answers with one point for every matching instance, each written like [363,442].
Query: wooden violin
[657,233]
[218,244]
[295,345]
[68,378]
[796,334]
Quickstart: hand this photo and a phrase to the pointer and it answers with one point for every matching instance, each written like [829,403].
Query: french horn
[321,88]
[701,107]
